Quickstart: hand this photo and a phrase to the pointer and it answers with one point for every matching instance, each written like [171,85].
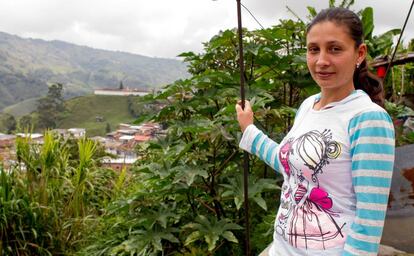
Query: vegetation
[98,120]
[28,66]
[190,190]
[96,112]
[42,197]
[50,108]
[22,108]
[27,123]
[399,114]
[185,196]
[8,123]
[14,85]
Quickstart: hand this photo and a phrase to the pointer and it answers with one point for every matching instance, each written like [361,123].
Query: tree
[138,106]
[26,123]
[9,123]
[51,107]
[121,86]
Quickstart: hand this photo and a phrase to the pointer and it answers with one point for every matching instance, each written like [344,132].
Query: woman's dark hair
[363,79]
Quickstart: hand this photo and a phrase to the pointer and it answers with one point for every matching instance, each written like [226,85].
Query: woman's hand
[245,117]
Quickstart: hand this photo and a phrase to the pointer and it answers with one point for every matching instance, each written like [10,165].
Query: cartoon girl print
[305,218]
[286,205]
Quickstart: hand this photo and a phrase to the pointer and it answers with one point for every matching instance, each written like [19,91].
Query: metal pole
[245,155]
[398,42]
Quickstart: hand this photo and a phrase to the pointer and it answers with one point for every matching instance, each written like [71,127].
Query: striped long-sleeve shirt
[337,165]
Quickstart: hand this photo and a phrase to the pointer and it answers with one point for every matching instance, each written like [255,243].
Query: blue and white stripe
[372,153]
[256,142]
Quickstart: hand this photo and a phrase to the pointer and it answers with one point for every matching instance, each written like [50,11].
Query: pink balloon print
[320,197]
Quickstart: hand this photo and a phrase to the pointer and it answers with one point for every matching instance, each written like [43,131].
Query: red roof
[139,137]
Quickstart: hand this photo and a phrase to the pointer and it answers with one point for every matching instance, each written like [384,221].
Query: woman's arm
[255,141]
[372,152]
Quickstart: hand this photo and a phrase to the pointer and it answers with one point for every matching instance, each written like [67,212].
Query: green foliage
[343,4]
[399,114]
[235,190]
[210,231]
[381,44]
[15,86]
[36,213]
[367,18]
[112,109]
[398,111]
[22,108]
[51,107]
[86,149]
[138,107]
[108,128]
[8,123]
[26,123]
[185,195]
[407,139]
[347,3]
[192,176]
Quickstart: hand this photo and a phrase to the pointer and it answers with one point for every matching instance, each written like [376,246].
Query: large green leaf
[234,189]
[368,22]
[211,231]
[188,174]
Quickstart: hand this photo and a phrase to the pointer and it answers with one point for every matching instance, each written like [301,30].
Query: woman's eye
[312,49]
[335,49]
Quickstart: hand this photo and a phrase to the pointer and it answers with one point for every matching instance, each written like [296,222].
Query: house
[123,141]
[7,140]
[77,132]
[60,132]
[126,138]
[120,148]
[141,138]
[7,150]
[121,92]
[99,139]
[118,163]
[34,137]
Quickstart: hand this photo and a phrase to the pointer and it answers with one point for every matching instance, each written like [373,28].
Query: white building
[77,132]
[118,92]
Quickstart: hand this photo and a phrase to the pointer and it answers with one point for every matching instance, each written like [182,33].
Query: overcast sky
[164,28]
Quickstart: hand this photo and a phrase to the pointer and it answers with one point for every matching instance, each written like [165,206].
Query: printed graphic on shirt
[305,217]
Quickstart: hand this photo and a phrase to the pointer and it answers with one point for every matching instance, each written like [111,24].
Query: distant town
[120,143]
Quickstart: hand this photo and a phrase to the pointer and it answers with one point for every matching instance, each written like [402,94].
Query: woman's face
[332,56]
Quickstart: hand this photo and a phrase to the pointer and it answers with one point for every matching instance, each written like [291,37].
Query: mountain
[27,66]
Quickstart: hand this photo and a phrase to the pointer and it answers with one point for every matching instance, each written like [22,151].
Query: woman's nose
[322,59]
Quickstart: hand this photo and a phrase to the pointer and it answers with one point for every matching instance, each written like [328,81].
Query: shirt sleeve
[372,153]
[256,142]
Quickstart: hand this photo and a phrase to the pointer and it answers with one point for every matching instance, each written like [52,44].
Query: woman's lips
[325,75]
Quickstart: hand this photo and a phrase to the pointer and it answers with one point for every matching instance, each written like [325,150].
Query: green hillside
[83,112]
[28,66]
[22,108]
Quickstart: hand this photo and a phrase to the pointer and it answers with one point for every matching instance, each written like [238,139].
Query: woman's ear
[362,52]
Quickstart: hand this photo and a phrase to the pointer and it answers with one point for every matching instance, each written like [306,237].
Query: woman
[337,159]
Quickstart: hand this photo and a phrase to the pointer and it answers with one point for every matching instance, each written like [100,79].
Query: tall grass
[50,199]
[87,149]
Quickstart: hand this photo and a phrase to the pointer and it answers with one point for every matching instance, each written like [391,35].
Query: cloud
[160,27]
